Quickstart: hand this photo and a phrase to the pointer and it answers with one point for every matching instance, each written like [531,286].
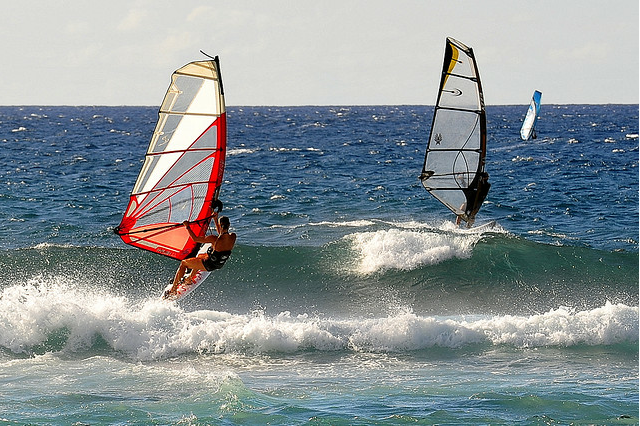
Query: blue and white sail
[528,129]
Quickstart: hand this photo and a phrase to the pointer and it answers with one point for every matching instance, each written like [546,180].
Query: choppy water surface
[351,298]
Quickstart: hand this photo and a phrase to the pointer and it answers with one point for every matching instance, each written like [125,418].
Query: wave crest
[405,250]
[40,318]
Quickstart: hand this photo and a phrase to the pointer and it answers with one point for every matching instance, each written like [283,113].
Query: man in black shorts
[216,256]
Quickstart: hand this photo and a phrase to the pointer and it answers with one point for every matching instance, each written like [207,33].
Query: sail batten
[182,174]
[459,109]
[182,151]
[474,79]
[453,169]
[183,113]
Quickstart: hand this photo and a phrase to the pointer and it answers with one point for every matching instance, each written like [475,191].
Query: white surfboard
[478,229]
[186,287]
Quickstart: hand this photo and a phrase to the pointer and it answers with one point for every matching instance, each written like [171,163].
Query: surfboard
[478,229]
[185,287]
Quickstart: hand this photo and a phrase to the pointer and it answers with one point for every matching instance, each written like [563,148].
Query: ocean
[351,298]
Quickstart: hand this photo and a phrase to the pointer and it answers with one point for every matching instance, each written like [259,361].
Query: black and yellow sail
[453,170]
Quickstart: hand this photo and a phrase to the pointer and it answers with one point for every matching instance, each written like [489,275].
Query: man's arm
[215,220]
[194,237]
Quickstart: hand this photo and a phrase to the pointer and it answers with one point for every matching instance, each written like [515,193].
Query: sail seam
[453,150]
[199,114]
[197,75]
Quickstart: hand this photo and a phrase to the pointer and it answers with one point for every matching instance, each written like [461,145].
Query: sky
[317,52]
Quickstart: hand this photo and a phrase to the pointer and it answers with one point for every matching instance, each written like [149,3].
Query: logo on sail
[454,92]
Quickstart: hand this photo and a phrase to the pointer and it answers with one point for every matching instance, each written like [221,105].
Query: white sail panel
[203,104]
[174,144]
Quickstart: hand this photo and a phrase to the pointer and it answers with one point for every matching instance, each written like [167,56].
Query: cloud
[199,13]
[77,28]
[592,52]
[133,20]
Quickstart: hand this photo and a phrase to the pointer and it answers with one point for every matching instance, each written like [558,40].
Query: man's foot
[168,293]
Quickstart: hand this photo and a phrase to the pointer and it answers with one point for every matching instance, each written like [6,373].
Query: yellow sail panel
[452,63]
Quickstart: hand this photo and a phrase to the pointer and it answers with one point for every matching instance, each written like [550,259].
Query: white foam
[329,224]
[404,249]
[238,151]
[607,325]
[35,313]
[413,225]
[282,149]
[445,226]
[518,158]
[47,245]
[347,223]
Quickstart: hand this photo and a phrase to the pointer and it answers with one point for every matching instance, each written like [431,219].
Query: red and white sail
[184,165]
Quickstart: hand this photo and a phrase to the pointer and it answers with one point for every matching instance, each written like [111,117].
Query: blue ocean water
[351,297]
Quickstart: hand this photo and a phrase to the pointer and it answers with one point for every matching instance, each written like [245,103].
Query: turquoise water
[350,299]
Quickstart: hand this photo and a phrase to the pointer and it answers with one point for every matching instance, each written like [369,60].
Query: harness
[216,259]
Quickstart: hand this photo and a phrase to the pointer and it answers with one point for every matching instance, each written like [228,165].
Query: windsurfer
[483,190]
[216,256]
[478,197]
